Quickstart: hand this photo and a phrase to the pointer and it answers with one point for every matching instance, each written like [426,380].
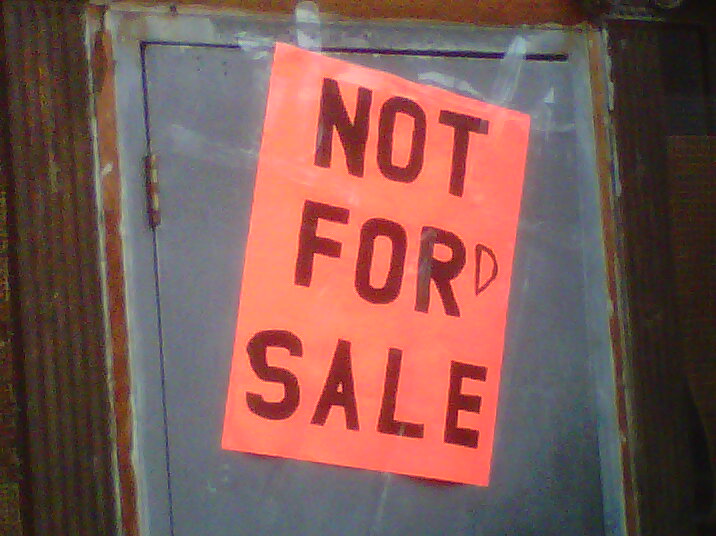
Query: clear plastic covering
[378,277]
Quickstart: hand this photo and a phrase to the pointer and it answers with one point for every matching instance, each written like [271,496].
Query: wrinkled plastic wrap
[386,319]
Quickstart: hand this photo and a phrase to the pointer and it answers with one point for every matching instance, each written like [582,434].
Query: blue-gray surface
[205,110]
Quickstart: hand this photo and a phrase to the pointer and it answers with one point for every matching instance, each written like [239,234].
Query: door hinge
[152,182]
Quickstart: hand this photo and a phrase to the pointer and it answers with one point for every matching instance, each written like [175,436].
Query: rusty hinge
[152,181]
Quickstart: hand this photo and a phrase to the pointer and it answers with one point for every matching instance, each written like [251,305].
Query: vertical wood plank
[654,382]
[59,288]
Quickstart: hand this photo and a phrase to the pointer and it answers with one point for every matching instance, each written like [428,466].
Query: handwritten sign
[373,304]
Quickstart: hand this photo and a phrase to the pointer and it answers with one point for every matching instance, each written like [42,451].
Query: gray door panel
[205,107]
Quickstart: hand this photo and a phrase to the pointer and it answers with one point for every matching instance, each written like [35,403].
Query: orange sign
[374,296]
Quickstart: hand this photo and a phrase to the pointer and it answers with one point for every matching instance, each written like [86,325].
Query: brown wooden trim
[59,290]
[604,149]
[487,12]
[102,64]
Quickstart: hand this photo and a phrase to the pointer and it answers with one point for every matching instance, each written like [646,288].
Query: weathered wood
[692,204]
[496,12]
[654,380]
[59,289]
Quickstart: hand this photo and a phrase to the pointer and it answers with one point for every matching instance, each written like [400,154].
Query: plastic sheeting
[206,81]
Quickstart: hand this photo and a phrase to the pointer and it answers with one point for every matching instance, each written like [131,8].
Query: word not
[354,135]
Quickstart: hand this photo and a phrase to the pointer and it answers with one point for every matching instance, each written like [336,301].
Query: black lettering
[353,135]
[479,250]
[386,421]
[442,272]
[339,389]
[309,244]
[457,401]
[256,349]
[386,133]
[463,125]
[369,232]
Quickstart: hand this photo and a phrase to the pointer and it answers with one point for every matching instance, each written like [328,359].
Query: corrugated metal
[654,379]
[59,286]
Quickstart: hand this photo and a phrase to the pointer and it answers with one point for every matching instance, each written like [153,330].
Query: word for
[429,268]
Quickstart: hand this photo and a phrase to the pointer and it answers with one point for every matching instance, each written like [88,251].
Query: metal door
[192,90]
